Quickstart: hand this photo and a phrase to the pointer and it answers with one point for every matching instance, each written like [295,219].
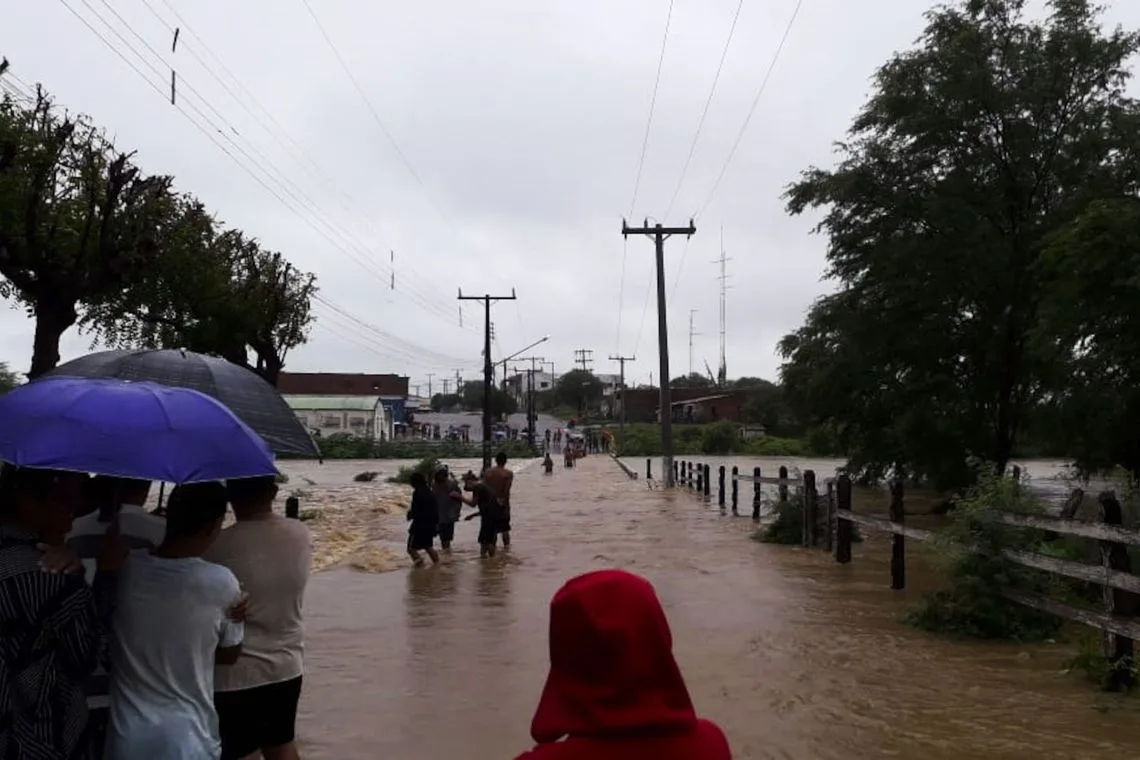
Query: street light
[538,342]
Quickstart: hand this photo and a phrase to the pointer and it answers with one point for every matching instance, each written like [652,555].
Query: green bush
[720,438]
[1091,663]
[970,551]
[427,466]
[788,527]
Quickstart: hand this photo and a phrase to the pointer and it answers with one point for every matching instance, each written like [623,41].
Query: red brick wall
[642,402]
[341,384]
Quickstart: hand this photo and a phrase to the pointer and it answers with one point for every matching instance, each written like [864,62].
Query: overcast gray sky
[502,152]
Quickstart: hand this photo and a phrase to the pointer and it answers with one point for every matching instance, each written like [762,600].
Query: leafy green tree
[216,292]
[579,390]
[77,220]
[692,380]
[8,378]
[1092,323]
[502,403]
[976,148]
[441,402]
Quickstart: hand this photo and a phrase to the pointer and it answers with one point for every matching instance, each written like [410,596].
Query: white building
[518,384]
[361,416]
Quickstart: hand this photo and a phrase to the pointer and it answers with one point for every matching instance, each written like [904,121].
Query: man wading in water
[500,479]
[489,514]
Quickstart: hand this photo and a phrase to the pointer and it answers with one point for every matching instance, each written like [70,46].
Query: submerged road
[794,656]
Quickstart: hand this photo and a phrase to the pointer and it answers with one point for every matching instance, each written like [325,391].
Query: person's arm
[231,632]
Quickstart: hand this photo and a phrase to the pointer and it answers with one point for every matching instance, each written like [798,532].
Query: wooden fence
[828,520]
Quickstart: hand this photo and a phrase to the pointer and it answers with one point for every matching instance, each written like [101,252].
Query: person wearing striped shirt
[52,624]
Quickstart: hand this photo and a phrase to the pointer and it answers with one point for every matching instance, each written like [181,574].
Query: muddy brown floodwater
[796,657]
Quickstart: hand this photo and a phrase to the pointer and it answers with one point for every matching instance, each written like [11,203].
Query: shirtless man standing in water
[499,480]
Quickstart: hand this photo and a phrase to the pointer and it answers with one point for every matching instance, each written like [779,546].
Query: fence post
[783,474]
[809,509]
[675,481]
[1016,474]
[688,474]
[708,482]
[293,507]
[1118,649]
[700,484]
[843,528]
[735,489]
[648,468]
[898,541]
[756,494]
[720,488]
[829,537]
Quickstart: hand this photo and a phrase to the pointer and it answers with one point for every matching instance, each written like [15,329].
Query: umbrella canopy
[246,393]
[128,429]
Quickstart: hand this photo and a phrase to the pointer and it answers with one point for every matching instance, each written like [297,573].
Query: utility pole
[621,360]
[446,386]
[584,357]
[691,334]
[530,401]
[722,370]
[488,368]
[430,376]
[659,234]
[458,382]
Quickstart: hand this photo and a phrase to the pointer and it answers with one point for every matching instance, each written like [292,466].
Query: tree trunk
[269,365]
[53,316]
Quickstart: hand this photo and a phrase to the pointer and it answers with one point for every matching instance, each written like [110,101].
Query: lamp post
[504,361]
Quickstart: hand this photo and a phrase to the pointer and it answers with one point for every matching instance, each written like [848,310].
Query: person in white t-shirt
[172,623]
[121,497]
[124,497]
[256,698]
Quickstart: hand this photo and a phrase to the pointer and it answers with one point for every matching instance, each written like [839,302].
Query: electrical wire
[755,101]
[705,110]
[382,126]
[298,197]
[641,166]
[743,129]
[389,344]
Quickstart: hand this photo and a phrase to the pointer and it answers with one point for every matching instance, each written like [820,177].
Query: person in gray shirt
[446,490]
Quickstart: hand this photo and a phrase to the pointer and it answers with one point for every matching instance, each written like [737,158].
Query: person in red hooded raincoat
[614,691]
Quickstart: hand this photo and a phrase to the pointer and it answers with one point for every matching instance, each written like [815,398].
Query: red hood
[611,662]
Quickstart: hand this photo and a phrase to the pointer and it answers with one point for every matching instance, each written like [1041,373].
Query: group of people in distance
[436,508]
[134,636]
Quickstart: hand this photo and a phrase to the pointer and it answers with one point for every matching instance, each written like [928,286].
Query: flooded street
[794,656]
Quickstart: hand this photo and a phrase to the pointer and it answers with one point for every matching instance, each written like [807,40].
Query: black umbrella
[247,394]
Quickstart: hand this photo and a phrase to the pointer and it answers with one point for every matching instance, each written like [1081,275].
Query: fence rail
[828,520]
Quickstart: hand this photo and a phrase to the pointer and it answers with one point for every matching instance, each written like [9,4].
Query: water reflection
[795,656]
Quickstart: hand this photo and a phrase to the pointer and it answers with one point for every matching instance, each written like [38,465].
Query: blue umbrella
[128,429]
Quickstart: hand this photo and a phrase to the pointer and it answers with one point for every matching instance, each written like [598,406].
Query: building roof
[332,403]
[702,399]
[341,384]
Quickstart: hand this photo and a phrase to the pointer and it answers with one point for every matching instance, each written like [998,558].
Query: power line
[755,101]
[652,107]
[289,143]
[705,110]
[641,161]
[366,335]
[743,128]
[380,122]
[293,194]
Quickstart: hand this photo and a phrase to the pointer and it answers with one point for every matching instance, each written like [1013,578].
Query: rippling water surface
[795,656]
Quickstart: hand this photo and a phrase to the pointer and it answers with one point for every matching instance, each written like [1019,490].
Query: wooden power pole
[488,367]
[660,234]
[621,360]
